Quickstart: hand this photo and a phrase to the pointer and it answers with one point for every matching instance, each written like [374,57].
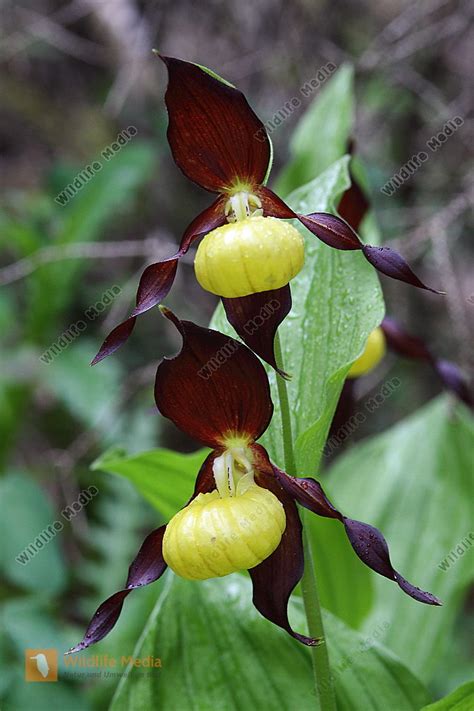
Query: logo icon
[41,664]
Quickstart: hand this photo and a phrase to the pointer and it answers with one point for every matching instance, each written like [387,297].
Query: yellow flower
[374,352]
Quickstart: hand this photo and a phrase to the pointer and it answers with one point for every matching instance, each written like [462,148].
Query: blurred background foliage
[74,76]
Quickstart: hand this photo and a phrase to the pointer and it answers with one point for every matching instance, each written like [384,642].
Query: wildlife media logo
[41,665]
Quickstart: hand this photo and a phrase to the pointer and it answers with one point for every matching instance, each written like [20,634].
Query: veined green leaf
[165,478]
[418,479]
[461,699]
[322,135]
[252,664]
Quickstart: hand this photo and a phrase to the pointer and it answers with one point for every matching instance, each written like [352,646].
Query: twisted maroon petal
[148,566]
[414,347]
[336,233]
[331,230]
[215,137]
[372,549]
[403,343]
[367,541]
[275,579]
[274,206]
[256,319]
[158,278]
[389,262]
[453,379]
[215,388]
[155,283]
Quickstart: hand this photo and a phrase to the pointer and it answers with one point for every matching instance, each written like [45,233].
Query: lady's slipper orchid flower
[374,351]
[242,514]
[391,336]
[248,255]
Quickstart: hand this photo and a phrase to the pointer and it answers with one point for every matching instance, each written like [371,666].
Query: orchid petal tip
[75,649]
[96,359]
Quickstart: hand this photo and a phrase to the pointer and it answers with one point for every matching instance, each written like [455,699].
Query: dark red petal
[207,220]
[205,479]
[328,228]
[372,549]
[158,278]
[453,380]
[147,567]
[331,230]
[215,388]
[116,338]
[336,233]
[367,541]
[275,579]
[215,137]
[389,262]
[256,319]
[155,283]
[353,205]
[403,343]
[273,206]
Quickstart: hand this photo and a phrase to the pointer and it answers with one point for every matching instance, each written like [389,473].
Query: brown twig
[151,247]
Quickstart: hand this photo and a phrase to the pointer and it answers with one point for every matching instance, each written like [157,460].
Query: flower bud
[374,352]
[249,256]
[215,536]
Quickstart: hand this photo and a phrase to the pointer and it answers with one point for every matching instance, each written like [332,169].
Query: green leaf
[252,664]
[214,75]
[26,513]
[165,478]
[322,135]
[460,700]
[417,479]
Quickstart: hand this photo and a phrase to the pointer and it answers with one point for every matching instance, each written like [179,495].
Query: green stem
[319,655]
